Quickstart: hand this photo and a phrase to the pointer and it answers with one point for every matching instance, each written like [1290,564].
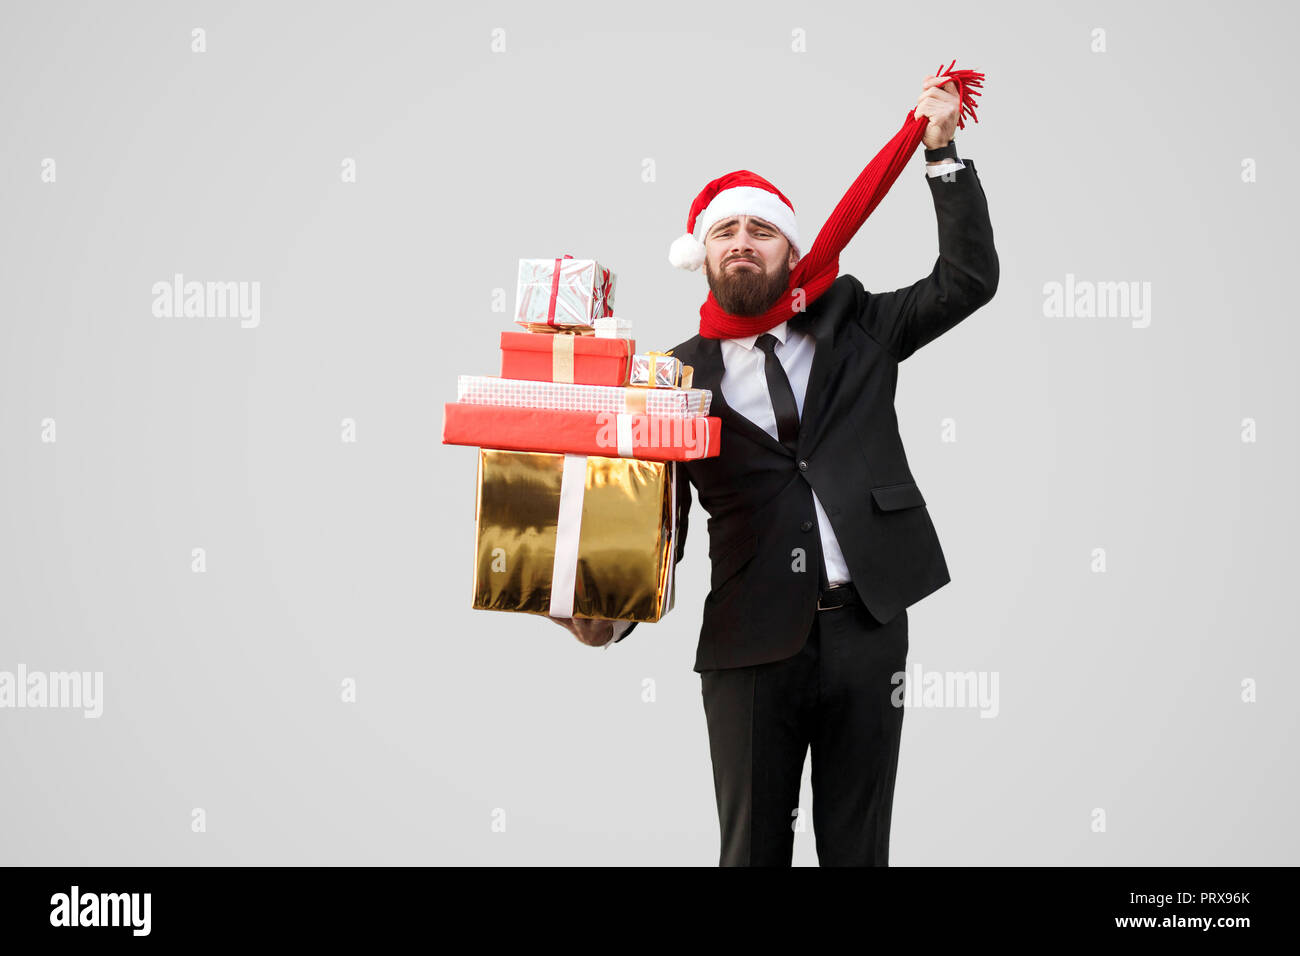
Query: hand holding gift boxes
[576,507]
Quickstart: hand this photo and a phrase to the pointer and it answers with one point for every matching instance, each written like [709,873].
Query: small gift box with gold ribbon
[574,535]
[659,370]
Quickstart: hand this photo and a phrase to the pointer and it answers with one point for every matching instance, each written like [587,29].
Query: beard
[748,292]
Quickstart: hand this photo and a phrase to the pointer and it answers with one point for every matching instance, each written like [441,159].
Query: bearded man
[819,536]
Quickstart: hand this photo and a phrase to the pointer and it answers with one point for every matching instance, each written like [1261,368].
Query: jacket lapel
[709,366]
[827,355]
[822,356]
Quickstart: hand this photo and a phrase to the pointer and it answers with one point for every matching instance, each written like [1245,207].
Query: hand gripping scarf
[816,271]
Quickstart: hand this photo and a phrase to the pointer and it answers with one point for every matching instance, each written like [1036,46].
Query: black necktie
[778,387]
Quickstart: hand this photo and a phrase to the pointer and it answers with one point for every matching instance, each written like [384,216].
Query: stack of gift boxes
[579,439]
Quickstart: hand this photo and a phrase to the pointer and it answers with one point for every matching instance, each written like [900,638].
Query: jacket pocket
[731,556]
[896,497]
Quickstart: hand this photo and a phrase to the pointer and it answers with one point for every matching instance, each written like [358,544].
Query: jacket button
[806,526]
[803,464]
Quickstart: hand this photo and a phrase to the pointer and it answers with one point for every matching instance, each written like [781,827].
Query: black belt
[841,595]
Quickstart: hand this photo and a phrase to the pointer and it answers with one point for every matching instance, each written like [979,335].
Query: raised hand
[938,101]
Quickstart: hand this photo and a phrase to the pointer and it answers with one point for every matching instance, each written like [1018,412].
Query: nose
[741,245]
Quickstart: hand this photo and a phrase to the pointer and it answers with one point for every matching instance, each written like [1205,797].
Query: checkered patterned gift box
[559,396]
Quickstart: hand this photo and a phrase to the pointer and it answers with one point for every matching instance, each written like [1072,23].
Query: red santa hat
[739,193]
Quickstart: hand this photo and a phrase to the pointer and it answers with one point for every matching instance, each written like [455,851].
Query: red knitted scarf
[815,272]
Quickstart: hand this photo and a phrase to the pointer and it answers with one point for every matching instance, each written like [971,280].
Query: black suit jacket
[764,546]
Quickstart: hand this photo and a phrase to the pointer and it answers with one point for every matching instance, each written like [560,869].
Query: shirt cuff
[935,171]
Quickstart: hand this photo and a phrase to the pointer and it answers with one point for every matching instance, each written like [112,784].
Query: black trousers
[834,696]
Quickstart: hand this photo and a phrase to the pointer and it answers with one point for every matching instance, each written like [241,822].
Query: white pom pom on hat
[739,193]
[686,252]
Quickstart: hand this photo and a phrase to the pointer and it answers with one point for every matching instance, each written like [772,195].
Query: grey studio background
[329,561]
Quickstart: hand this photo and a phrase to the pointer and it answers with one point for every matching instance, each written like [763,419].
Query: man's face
[747,261]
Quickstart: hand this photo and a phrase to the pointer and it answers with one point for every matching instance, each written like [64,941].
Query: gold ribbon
[559,329]
[635,400]
[562,359]
[562,349]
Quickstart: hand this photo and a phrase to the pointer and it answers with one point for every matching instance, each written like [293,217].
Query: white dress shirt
[744,386]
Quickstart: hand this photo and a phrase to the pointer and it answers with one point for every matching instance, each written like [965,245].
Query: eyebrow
[753,219]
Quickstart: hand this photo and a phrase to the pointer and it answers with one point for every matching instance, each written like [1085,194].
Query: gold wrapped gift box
[574,535]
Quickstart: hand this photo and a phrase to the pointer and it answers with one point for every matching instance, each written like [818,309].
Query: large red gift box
[652,437]
[557,357]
